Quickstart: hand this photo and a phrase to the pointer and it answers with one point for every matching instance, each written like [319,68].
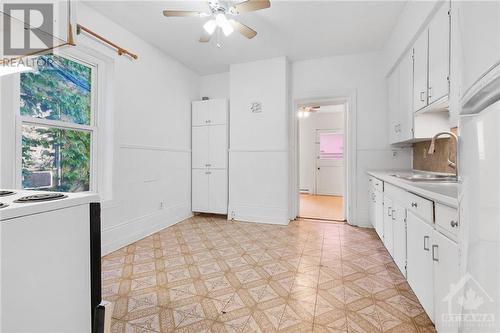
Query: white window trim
[96,127]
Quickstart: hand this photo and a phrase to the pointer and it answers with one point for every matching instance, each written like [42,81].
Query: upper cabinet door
[439,54]
[393,101]
[420,52]
[200,147]
[218,147]
[218,111]
[406,97]
[199,113]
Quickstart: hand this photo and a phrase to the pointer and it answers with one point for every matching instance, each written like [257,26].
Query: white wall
[307,143]
[364,74]
[215,85]
[152,163]
[412,20]
[258,157]
[147,110]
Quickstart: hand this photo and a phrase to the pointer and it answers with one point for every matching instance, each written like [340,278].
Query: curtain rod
[120,50]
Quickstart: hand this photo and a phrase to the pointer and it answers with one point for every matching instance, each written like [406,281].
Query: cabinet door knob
[426,243]
[454,224]
[434,253]
[422,96]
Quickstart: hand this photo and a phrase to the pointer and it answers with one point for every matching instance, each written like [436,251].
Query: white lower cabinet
[399,236]
[376,206]
[419,258]
[388,232]
[209,191]
[446,274]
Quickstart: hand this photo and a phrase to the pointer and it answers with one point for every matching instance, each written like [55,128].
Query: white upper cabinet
[439,55]
[420,77]
[210,112]
[393,95]
[405,114]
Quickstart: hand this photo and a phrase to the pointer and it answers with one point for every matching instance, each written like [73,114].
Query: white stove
[50,262]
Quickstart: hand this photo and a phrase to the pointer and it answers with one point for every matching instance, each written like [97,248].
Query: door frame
[316,148]
[347,97]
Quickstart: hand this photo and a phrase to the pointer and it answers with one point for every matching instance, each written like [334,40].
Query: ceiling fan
[306,110]
[219,10]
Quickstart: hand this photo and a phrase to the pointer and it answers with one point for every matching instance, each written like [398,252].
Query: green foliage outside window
[60,90]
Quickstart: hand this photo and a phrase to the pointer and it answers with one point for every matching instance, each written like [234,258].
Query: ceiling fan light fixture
[210,26]
[224,24]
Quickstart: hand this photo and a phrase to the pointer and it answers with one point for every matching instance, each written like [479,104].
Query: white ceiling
[296,29]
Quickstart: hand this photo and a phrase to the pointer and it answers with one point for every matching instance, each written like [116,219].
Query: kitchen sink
[428,178]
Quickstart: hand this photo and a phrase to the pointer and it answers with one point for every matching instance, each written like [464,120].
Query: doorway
[322,174]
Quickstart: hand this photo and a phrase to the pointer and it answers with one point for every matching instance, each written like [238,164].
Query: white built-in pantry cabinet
[418,86]
[209,156]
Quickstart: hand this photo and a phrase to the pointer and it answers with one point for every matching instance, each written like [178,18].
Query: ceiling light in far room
[210,26]
[224,24]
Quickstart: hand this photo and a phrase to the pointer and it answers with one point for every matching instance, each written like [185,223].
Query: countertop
[444,193]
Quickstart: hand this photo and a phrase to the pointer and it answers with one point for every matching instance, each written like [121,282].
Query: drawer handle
[414,204]
[207,173]
[454,224]
[434,253]
[422,96]
[426,243]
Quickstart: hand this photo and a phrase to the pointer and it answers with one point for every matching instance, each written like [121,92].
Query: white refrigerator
[479,164]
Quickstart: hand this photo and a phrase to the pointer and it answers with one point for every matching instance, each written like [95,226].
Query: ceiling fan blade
[243,29]
[252,5]
[205,37]
[182,13]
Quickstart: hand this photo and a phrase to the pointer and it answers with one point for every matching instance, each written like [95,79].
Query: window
[331,146]
[57,125]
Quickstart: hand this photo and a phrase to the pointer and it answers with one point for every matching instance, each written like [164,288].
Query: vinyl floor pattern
[207,274]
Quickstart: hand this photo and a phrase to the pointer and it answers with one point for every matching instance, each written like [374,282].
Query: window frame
[92,128]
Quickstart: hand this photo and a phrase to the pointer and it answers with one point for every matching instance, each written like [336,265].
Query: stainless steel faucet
[432,149]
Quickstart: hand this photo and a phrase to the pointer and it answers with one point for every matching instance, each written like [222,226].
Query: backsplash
[437,162]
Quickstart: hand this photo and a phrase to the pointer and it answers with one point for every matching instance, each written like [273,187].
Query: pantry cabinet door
[218,111]
[199,113]
[419,261]
[218,191]
[439,54]
[446,273]
[200,147]
[420,53]
[200,193]
[218,146]
[406,98]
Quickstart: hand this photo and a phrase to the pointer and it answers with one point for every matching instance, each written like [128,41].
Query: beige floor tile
[207,274]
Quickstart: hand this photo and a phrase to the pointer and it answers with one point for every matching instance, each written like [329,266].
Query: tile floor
[207,274]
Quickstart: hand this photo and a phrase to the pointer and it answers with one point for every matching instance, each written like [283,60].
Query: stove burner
[6,193]
[2,205]
[41,197]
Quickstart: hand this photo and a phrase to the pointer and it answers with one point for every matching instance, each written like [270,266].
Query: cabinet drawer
[447,220]
[421,207]
[396,193]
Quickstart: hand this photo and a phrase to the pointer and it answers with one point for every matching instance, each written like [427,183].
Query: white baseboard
[135,229]
[259,214]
